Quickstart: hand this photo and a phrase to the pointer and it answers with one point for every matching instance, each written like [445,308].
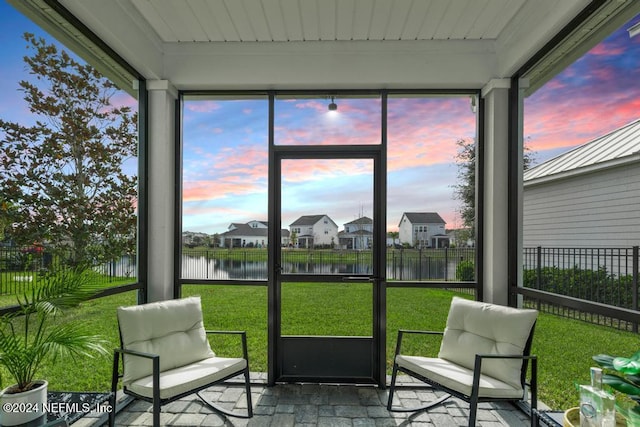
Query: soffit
[325,20]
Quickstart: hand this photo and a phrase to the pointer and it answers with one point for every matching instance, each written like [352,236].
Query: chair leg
[390,407]
[156,412]
[114,390]
[247,382]
[473,411]
[216,408]
[392,386]
[534,392]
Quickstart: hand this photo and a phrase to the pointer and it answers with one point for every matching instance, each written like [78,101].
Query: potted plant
[622,374]
[33,334]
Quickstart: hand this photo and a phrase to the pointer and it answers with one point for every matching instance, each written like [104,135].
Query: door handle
[359,279]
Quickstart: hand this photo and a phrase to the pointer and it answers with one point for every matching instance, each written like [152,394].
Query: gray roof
[310,219]
[362,220]
[245,230]
[424,218]
[617,147]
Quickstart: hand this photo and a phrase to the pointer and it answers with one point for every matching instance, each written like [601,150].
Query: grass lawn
[564,346]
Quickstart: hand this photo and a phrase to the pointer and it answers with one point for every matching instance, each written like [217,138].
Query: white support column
[161,170]
[523,84]
[496,215]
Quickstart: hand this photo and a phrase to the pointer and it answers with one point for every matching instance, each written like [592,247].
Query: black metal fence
[22,266]
[605,276]
[446,264]
[555,280]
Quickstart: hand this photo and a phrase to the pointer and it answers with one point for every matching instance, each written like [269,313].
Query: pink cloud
[211,210]
[209,190]
[606,49]
[305,170]
[312,105]
[123,99]
[574,121]
[202,106]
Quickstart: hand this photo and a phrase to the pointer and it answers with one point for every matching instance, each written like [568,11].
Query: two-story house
[314,231]
[423,230]
[357,234]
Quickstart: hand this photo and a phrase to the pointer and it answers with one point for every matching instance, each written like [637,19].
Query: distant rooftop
[362,220]
[309,219]
[617,147]
[424,218]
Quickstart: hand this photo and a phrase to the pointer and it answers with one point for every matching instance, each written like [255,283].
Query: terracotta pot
[21,408]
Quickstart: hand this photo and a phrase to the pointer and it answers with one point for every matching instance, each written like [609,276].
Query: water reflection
[422,268]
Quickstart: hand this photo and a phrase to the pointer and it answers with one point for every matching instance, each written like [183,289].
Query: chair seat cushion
[458,378]
[172,329]
[481,328]
[189,377]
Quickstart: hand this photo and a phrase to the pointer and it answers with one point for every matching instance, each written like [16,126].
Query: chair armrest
[136,353]
[402,332]
[506,356]
[155,368]
[243,336]
[477,368]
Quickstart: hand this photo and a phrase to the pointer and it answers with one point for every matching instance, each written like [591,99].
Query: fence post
[244,264]
[446,263]
[538,270]
[634,282]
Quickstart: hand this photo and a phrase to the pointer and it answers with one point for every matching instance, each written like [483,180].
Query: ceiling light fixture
[635,30]
[333,106]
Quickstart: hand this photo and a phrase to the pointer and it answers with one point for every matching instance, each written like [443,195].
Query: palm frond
[31,335]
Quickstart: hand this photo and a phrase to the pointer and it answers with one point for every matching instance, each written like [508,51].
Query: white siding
[592,210]
[405,231]
[325,232]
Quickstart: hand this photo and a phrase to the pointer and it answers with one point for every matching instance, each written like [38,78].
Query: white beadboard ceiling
[323,44]
[326,20]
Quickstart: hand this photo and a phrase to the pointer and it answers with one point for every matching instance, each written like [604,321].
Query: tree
[465,190]
[64,175]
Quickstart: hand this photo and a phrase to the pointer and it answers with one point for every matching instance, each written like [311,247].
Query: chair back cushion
[172,329]
[482,328]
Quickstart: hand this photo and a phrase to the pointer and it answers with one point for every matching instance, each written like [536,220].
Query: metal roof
[617,147]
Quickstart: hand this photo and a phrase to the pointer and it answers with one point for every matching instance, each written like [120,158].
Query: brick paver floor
[327,405]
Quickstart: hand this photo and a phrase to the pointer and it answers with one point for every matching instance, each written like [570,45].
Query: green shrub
[465,271]
[592,285]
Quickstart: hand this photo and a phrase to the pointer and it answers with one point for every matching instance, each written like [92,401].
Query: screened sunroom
[307,143]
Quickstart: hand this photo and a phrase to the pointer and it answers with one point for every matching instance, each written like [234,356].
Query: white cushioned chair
[483,357]
[166,355]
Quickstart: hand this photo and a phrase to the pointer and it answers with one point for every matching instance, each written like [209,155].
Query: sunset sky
[225,141]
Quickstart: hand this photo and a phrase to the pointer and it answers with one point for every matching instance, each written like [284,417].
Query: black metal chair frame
[474,398]
[157,402]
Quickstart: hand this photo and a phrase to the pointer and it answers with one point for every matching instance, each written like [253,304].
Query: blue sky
[225,168]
